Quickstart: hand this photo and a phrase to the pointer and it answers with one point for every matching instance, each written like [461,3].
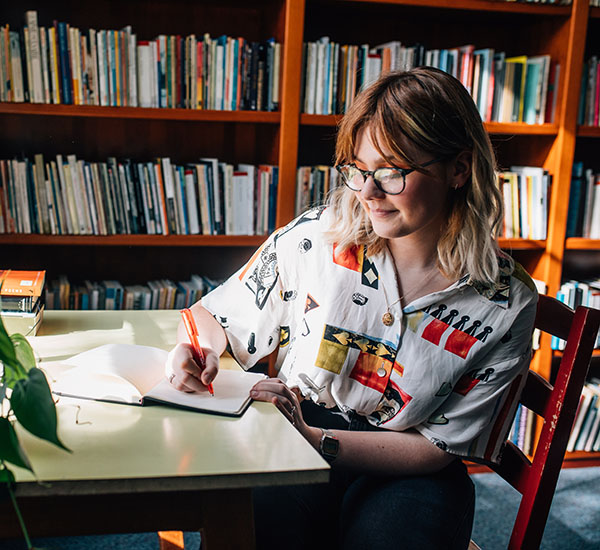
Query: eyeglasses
[390,180]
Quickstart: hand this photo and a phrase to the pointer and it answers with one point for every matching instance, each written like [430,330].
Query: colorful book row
[67,196]
[589,100]
[313,183]
[585,434]
[574,294]
[62,64]
[522,430]
[505,89]
[112,295]
[526,194]
[583,219]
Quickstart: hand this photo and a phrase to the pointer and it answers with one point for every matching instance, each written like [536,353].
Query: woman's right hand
[184,374]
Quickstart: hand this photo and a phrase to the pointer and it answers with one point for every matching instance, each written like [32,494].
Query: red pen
[192,331]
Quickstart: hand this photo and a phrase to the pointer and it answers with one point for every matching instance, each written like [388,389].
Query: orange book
[21,283]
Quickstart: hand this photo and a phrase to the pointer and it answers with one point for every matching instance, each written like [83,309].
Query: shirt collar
[497,292]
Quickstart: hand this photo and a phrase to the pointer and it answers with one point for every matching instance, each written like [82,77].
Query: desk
[153,468]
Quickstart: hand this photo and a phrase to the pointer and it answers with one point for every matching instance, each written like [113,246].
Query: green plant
[26,398]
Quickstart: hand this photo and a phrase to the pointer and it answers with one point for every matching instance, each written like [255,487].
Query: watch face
[330,446]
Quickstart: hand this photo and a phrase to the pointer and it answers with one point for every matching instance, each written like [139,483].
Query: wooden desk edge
[200,483]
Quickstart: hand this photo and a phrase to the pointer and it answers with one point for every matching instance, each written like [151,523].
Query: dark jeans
[366,512]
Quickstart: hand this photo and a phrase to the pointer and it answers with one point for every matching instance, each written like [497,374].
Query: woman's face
[420,210]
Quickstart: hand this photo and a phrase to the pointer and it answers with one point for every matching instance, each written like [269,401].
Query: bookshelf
[288,138]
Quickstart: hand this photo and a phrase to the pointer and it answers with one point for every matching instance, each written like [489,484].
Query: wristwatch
[329,445]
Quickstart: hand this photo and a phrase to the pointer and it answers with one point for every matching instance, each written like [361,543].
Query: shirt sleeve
[474,421]
[249,308]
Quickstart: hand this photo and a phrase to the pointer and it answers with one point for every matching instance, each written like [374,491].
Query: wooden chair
[536,480]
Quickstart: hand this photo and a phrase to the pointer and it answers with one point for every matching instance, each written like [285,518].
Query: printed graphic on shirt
[305,328]
[309,216]
[304,246]
[359,299]
[284,336]
[288,295]
[437,328]
[439,419]
[337,341]
[264,277]
[311,303]
[392,402]
[469,380]
[355,258]
[251,343]
[444,390]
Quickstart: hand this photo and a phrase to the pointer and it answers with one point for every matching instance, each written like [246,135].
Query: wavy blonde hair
[430,111]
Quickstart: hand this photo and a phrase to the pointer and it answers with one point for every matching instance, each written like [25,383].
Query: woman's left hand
[274,390]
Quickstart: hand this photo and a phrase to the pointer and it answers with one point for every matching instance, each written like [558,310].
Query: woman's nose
[370,190]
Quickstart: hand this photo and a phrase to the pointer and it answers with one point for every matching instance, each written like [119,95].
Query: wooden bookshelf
[288,138]
[579,243]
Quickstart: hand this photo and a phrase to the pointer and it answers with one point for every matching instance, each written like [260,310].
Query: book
[26,323]
[134,375]
[20,290]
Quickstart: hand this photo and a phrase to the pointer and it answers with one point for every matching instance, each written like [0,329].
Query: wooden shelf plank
[577,459]
[480,5]
[186,240]
[579,243]
[513,128]
[192,115]
[522,244]
[134,240]
[588,131]
[580,459]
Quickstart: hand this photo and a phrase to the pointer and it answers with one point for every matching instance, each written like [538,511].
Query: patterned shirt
[450,364]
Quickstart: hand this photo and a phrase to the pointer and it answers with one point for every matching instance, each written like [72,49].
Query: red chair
[536,481]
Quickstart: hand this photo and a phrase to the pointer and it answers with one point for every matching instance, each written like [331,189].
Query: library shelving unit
[288,138]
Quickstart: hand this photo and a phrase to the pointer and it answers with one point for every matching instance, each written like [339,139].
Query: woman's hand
[184,374]
[274,390]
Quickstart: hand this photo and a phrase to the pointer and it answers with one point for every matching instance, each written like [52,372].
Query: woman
[403,331]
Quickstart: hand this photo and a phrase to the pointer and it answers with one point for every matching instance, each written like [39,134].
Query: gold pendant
[387,319]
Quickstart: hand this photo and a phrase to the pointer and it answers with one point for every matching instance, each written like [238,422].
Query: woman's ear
[460,169]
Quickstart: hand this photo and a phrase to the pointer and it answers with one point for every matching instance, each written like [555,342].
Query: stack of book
[505,89]
[574,294]
[112,295]
[585,434]
[67,196]
[526,194]
[583,219]
[523,428]
[21,302]
[313,183]
[62,64]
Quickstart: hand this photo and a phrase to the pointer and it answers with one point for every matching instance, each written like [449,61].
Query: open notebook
[134,375]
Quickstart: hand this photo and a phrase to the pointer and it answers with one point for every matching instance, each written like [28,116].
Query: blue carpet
[574,521]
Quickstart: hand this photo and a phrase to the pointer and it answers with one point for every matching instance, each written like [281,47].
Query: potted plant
[24,397]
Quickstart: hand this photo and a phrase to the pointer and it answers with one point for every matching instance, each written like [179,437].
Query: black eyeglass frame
[366,173]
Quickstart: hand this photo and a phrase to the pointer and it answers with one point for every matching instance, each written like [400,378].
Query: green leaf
[23,351]
[10,448]
[8,355]
[32,403]
[6,476]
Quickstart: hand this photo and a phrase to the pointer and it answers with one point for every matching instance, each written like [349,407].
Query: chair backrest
[557,405]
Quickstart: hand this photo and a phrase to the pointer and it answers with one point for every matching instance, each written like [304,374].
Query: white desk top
[121,448]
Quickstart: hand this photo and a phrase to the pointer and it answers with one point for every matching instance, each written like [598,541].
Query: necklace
[388,318]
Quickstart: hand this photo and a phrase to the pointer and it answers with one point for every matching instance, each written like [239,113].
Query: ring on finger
[171,378]
[293,410]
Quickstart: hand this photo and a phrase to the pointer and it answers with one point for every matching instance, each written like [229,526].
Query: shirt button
[381,372]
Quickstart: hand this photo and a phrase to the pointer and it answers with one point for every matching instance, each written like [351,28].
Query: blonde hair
[434,113]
